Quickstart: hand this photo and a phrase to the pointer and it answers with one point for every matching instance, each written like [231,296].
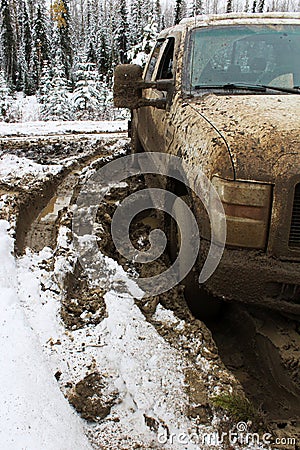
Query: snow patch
[34,415]
[62,127]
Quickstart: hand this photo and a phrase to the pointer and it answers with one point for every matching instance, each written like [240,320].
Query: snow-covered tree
[103,55]
[139,53]
[7,113]
[139,18]
[122,32]
[8,44]
[62,33]
[229,6]
[180,11]
[86,96]
[41,38]
[261,5]
[56,103]
[45,83]
[157,14]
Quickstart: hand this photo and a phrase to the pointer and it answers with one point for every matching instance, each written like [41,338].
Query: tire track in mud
[39,209]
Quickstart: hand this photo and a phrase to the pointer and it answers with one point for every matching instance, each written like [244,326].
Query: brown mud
[91,398]
[81,305]
[262,349]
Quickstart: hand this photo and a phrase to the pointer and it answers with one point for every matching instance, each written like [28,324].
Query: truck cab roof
[230,19]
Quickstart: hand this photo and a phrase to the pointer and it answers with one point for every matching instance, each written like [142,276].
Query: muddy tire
[203,305]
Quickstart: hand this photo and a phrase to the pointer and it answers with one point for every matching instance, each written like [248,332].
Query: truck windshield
[245,55]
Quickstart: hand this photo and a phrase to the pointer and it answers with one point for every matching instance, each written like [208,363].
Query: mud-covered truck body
[222,93]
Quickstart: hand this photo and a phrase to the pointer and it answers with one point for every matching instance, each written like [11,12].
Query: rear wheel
[201,303]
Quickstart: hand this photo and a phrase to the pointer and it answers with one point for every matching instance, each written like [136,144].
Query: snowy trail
[34,414]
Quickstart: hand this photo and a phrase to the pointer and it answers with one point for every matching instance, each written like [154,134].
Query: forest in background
[64,51]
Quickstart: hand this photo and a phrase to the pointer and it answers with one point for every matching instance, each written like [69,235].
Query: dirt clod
[82,305]
[91,399]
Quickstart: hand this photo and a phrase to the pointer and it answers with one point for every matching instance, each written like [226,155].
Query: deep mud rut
[260,348]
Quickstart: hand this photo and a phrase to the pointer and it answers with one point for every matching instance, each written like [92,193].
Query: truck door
[151,120]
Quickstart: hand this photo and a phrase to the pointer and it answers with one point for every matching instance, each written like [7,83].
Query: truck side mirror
[127,90]
[129,85]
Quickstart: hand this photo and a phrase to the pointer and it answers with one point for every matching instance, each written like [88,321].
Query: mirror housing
[127,92]
[129,85]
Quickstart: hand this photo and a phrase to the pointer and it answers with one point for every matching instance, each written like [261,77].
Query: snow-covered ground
[33,413]
[40,128]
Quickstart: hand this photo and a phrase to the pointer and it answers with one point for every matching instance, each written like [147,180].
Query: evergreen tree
[40,38]
[61,17]
[103,56]
[45,83]
[139,19]
[158,15]
[86,96]
[261,5]
[229,6]
[26,34]
[90,37]
[56,103]
[9,50]
[26,69]
[180,11]
[5,99]
[197,8]
[121,32]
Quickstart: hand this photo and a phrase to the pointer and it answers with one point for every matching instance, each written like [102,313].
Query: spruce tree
[40,37]
[5,99]
[137,21]
[103,56]
[158,14]
[197,8]
[121,32]
[180,11]
[261,5]
[229,6]
[26,67]
[45,83]
[56,103]
[61,17]
[86,96]
[9,50]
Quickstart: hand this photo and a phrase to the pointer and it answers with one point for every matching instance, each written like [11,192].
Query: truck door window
[153,60]
[165,69]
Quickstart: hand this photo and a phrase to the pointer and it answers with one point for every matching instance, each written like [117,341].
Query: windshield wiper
[250,87]
[233,86]
[294,90]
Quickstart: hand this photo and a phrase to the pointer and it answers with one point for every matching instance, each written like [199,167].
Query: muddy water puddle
[56,204]
[43,230]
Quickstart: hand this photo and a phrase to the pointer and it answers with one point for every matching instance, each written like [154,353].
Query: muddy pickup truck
[222,93]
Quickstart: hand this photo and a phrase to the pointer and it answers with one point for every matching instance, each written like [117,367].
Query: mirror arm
[160,103]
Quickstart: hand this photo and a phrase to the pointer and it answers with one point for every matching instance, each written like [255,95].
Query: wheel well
[177,187]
